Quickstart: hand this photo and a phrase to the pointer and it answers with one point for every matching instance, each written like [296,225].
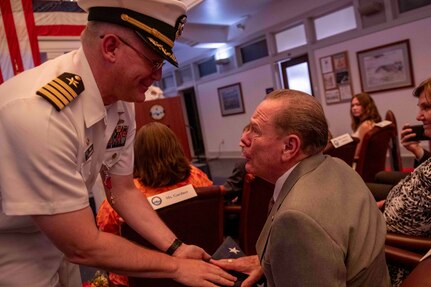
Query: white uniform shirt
[49,161]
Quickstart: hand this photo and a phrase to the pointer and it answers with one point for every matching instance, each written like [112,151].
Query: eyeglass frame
[155,65]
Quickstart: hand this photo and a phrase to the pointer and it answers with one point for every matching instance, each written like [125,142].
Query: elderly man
[65,121]
[324,228]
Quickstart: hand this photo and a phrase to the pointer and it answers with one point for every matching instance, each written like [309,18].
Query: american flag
[23,21]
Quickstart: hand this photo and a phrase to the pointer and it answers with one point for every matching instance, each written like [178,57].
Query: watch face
[157,112]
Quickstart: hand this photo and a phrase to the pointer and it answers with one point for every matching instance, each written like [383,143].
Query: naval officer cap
[157,22]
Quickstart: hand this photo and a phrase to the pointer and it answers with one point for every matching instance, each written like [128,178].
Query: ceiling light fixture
[209,45]
[222,56]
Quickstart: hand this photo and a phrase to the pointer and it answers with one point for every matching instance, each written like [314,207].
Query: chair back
[394,144]
[372,154]
[379,190]
[390,177]
[345,152]
[197,221]
[420,275]
[406,251]
[257,193]
[417,244]
[401,257]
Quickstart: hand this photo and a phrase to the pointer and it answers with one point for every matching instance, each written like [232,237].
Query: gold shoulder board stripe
[62,90]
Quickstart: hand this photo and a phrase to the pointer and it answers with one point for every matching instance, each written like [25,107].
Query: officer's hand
[192,252]
[192,272]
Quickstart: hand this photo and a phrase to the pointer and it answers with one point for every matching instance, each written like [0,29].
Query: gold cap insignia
[180,26]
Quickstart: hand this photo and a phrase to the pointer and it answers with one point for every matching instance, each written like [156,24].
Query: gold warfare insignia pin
[62,90]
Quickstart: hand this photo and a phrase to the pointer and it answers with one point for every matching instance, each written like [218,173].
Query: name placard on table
[341,140]
[172,196]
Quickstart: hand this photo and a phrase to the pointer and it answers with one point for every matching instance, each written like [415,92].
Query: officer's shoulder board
[62,90]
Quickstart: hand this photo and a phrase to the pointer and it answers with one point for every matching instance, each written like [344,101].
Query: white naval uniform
[49,161]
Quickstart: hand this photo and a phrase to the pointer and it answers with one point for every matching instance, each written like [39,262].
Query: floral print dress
[408,210]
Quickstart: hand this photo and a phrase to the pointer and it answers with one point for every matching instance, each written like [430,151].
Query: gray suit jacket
[324,230]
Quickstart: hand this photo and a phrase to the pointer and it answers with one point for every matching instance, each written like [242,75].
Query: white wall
[216,128]
[400,101]
[276,12]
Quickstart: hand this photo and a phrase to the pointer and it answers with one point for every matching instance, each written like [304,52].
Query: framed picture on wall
[336,78]
[385,67]
[231,102]
[326,64]
[332,96]
[345,93]
[340,61]
[329,81]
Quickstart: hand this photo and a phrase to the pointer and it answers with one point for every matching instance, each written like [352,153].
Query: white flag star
[233,250]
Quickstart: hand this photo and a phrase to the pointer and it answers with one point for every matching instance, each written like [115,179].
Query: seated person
[235,182]
[415,147]
[160,165]
[407,206]
[233,187]
[364,114]
[314,236]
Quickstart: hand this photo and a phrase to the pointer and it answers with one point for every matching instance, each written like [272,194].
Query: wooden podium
[168,111]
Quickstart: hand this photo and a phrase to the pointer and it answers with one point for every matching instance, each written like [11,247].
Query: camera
[419,131]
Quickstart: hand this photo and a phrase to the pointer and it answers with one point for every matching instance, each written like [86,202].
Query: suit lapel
[304,167]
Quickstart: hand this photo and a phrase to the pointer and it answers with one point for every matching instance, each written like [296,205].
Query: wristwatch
[174,246]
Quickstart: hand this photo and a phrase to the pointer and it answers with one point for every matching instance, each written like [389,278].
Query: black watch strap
[174,246]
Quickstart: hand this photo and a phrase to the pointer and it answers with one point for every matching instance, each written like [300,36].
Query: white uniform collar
[94,109]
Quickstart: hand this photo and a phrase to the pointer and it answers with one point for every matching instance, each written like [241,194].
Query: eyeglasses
[155,65]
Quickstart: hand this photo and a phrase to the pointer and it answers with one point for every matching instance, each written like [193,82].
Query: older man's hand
[248,264]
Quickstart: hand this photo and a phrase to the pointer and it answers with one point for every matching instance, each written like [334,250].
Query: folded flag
[229,249]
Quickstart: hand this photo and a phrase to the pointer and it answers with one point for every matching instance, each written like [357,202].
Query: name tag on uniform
[172,196]
[341,140]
